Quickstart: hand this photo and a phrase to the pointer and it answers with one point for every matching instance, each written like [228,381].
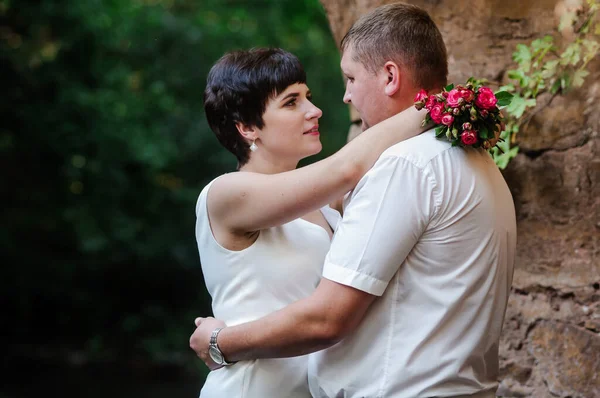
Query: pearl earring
[253,147]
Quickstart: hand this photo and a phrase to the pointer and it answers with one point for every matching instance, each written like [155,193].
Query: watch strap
[213,343]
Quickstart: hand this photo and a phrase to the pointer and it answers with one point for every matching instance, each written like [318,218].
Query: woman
[263,232]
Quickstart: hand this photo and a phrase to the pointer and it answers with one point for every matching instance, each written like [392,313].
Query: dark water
[35,379]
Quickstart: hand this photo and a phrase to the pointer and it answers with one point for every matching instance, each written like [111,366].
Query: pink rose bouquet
[465,115]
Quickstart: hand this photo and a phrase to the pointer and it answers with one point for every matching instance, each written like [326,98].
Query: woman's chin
[318,147]
[313,150]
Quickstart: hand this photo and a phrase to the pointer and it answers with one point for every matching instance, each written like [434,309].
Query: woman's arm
[245,202]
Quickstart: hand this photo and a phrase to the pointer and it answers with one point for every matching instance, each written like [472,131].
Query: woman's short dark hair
[238,88]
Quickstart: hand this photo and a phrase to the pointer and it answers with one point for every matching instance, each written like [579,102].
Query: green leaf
[592,47]
[449,87]
[519,75]
[555,86]
[502,159]
[565,81]
[504,98]
[507,87]
[571,55]
[519,105]
[579,77]
[523,57]
[440,130]
[502,152]
[549,69]
[542,44]
[516,74]
[484,132]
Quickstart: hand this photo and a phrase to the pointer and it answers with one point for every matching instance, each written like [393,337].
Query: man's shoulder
[418,150]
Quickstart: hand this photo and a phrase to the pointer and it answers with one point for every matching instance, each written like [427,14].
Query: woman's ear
[393,78]
[246,131]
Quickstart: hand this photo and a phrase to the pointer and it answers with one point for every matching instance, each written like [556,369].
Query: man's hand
[200,339]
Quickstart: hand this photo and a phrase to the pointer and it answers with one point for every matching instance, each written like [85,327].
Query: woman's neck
[259,164]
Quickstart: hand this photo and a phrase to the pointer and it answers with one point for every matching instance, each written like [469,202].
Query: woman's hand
[200,339]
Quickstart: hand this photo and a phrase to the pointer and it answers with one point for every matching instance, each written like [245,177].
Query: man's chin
[364,125]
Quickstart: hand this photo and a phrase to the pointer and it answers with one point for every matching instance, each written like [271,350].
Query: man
[415,285]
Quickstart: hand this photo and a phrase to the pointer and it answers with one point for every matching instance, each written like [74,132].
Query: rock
[592,325]
[508,388]
[557,197]
[561,125]
[567,357]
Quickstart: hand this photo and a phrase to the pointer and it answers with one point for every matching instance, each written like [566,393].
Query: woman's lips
[313,131]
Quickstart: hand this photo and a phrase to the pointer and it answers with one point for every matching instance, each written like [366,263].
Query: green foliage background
[104,149]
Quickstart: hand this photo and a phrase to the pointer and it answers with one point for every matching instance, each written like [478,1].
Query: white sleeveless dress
[282,266]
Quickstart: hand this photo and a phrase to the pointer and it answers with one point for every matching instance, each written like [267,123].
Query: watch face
[215,355]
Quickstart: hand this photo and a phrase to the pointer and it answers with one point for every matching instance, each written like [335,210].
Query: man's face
[365,90]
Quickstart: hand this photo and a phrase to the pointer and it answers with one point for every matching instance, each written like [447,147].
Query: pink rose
[454,99]
[467,95]
[421,96]
[431,101]
[486,99]
[447,119]
[436,113]
[469,137]
[466,126]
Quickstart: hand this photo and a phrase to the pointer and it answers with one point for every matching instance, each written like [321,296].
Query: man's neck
[407,99]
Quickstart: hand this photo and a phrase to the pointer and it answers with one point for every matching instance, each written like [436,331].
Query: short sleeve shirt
[431,230]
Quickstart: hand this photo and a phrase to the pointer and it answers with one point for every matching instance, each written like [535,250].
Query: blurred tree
[104,149]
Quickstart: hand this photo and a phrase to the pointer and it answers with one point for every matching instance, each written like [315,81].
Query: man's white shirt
[431,229]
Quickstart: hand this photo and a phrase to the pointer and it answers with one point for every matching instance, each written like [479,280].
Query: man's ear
[394,78]
[248,132]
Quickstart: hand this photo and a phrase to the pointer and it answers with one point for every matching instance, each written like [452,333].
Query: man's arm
[386,215]
[306,326]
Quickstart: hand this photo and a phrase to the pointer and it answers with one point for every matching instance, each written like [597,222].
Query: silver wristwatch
[213,350]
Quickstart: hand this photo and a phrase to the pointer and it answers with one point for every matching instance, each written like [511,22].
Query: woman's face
[291,125]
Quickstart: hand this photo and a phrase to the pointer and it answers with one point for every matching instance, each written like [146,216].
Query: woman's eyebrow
[295,95]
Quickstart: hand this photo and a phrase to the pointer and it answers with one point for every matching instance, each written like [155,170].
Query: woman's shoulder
[228,181]
[202,197]
[222,188]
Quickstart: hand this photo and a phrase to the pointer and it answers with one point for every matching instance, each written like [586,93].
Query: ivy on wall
[544,66]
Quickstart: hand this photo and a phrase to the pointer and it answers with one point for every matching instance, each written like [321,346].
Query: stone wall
[551,337]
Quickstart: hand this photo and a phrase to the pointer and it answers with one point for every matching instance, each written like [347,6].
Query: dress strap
[332,216]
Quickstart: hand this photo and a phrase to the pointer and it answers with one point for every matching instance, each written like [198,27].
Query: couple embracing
[383,270]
